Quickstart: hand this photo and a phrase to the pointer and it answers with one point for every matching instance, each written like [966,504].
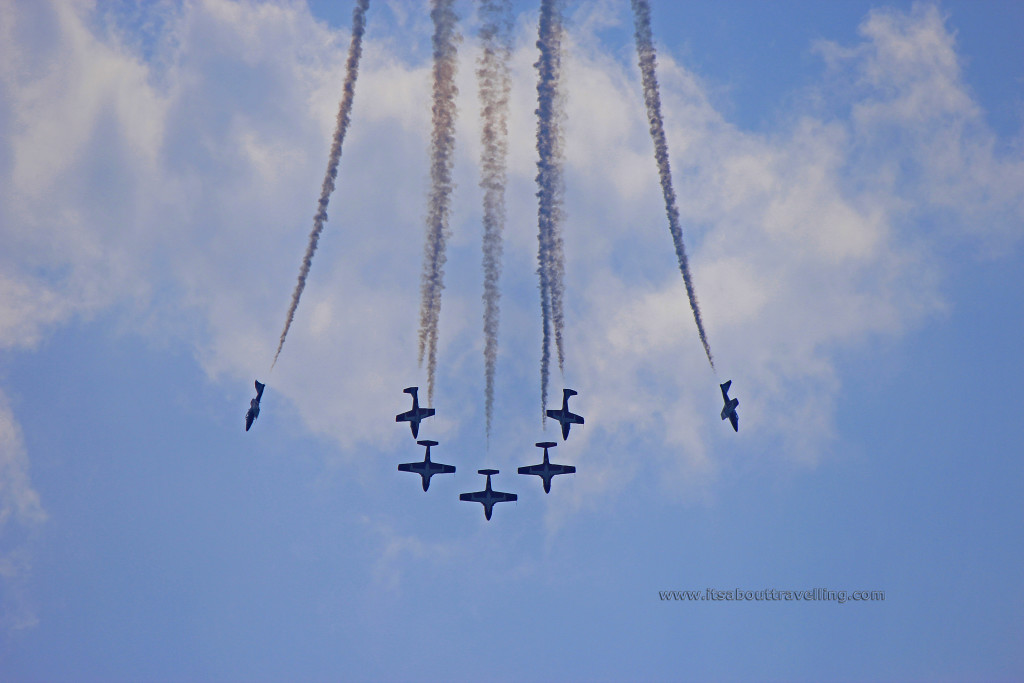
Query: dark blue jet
[488,497]
[729,411]
[426,469]
[546,469]
[254,406]
[414,416]
[564,416]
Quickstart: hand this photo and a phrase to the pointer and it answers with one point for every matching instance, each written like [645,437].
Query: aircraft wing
[407,416]
[445,469]
[735,420]
[502,497]
[474,497]
[565,417]
[554,469]
[410,467]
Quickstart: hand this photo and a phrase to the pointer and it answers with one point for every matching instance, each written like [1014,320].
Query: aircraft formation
[488,496]
[494,85]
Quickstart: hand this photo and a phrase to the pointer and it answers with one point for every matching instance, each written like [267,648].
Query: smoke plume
[550,186]
[652,100]
[442,146]
[494,85]
[355,50]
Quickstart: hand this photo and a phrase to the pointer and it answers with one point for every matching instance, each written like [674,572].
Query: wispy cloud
[806,239]
[914,123]
[21,515]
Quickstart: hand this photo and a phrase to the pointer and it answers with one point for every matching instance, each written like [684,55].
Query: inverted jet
[488,497]
[254,406]
[565,416]
[547,469]
[426,469]
[729,411]
[414,416]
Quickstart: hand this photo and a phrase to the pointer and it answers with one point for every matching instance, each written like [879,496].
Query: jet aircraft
[564,416]
[546,469]
[426,469]
[488,497]
[729,411]
[254,406]
[414,416]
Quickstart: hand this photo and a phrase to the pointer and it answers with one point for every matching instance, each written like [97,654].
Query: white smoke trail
[355,50]
[494,87]
[550,186]
[442,146]
[652,100]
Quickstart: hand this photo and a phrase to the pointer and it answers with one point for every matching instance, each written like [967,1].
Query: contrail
[355,50]
[652,99]
[550,187]
[494,85]
[442,146]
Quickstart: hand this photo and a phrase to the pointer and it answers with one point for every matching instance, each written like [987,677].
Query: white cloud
[185,184]
[916,125]
[21,514]
[27,307]
[19,503]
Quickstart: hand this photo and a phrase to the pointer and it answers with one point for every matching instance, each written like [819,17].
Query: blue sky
[850,180]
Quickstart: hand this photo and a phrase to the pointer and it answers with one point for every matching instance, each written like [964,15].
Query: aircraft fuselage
[488,497]
[426,469]
[729,410]
[416,415]
[566,417]
[254,406]
[547,469]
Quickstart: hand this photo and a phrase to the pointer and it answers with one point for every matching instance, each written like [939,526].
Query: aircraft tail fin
[566,393]
[486,472]
[725,387]
[427,442]
[259,390]
[546,444]
[410,390]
